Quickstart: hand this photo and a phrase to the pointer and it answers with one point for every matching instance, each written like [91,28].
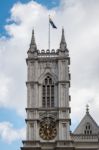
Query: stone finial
[33,46]
[87,108]
[63,44]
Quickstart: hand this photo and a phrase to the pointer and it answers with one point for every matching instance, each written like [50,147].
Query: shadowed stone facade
[48,111]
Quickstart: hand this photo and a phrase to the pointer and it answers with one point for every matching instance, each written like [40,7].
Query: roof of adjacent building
[87,125]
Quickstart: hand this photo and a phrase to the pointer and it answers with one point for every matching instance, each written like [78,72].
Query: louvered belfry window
[48,93]
[88,129]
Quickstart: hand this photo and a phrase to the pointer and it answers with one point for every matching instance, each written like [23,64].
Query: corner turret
[33,47]
[63,45]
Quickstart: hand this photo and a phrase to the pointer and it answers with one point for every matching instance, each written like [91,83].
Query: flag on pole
[52,23]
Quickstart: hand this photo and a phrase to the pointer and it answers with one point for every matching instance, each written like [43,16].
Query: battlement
[48,53]
[53,51]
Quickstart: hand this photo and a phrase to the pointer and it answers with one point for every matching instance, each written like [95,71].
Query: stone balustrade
[83,138]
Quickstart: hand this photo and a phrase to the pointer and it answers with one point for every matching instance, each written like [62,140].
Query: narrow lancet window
[48,93]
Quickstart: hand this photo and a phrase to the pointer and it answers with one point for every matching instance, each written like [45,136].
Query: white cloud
[9,134]
[81,23]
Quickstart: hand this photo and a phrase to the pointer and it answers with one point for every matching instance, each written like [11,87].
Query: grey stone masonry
[48,103]
[44,64]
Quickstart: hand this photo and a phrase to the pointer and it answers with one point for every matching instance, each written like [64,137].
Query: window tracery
[48,93]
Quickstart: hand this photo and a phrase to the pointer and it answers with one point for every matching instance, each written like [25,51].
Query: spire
[33,46]
[63,44]
[87,109]
[63,36]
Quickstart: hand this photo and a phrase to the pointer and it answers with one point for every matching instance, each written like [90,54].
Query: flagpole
[49,34]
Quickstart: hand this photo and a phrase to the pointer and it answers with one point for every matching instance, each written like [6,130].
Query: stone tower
[48,111]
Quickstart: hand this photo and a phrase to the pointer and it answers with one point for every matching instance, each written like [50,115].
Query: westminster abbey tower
[48,109]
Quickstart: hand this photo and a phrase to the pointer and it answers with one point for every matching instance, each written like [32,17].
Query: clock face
[47,129]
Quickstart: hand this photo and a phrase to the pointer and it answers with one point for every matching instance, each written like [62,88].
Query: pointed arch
[47,73]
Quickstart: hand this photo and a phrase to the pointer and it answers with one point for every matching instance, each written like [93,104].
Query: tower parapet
[61,52]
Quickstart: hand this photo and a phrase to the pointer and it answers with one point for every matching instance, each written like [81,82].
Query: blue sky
[6,5]
[81,24]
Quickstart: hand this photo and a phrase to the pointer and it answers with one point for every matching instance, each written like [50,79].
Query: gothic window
[88,130]
[48,93]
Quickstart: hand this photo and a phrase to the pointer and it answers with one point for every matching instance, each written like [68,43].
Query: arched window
[48,93]
[87,129]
